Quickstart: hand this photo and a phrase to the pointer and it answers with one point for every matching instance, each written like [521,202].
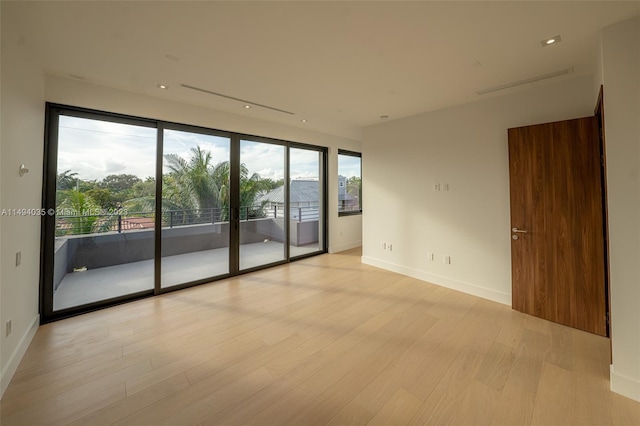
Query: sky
[95,149]
[349,166]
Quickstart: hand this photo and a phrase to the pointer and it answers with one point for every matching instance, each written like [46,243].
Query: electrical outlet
[7,328]
[436,187]
[390,247]
[18,258]
[445,187]
[447,260]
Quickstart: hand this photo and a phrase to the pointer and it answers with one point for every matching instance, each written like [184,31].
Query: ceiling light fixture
[551,40]
[526,81]
[247,106]
[244,101]
[163,86]
[384,117]
[304,120]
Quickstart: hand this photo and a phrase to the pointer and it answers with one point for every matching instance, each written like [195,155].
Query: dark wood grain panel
[556,196]
[523,277]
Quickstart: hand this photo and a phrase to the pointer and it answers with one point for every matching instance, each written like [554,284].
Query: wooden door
[557,246]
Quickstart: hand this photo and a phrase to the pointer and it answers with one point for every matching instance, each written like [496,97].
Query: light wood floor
[323,340]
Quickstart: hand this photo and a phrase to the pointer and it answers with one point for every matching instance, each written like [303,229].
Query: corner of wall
[11,365]
[621,66]
[624,385]
[347,232]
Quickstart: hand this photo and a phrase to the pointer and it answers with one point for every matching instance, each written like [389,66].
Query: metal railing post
[119,224]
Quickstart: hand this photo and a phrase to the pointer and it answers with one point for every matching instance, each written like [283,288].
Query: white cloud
[113,166]
[95,149]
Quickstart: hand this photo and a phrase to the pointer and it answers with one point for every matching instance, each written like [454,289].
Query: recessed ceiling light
[304,120]
[551,40]
[247,106]
[163,86]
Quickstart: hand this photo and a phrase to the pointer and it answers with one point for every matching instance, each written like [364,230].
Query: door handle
[519,230]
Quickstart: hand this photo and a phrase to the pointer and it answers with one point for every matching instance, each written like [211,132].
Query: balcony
[116,257]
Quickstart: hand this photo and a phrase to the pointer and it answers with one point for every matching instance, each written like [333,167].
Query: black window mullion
[234,206]
[157,263]
[49,203]
[287,205]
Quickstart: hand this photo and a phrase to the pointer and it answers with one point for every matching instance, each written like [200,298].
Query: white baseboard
[624,385]
[14,360]
[343,247]
[474,290]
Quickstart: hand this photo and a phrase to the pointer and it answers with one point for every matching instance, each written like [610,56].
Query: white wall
[466,148]
[621,72]
[22,116]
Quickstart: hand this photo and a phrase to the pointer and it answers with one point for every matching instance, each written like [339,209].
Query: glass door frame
[322,188]
[48,224]
[236,206]
[48,221]
[162,126]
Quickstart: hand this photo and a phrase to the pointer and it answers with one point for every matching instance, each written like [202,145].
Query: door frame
[599,113]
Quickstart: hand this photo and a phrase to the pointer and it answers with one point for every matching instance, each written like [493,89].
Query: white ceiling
[339,65]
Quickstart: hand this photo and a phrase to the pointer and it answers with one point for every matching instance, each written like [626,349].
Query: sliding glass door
[307,200]
[195,207]
[261,209]
[103,244]
[135,207]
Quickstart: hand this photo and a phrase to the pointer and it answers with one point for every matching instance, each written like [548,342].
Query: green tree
[142,196]
[146,188]
[192,183]
[197,183]
[119,183]
[251,186]
[66,180]
[354,186]
[84,215]
[104,198]
[269,184]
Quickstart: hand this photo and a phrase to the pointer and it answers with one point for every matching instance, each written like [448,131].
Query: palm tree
[199,185]
[193,179]
[250,188]
[66,180]
[83,218]
[196,184]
